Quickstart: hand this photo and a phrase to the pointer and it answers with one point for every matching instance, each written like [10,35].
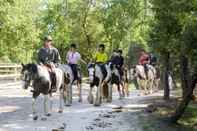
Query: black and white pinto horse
[39,76]
[145,82]
[68,92]
[103,80]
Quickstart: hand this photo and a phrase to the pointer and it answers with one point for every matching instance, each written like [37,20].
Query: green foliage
[174,30]
[23,25]
[18,29]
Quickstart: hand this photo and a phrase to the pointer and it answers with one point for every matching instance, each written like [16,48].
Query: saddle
[52,77]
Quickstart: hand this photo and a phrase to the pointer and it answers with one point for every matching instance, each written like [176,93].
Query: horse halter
[27,77]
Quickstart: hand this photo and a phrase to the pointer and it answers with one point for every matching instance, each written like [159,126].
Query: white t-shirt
[73,57]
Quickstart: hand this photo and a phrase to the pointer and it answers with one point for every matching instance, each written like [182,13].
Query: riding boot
[53,82]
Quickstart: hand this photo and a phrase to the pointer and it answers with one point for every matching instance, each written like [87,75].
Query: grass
[190,116]
[132,87]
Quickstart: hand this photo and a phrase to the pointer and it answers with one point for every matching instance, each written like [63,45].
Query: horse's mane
[33,67]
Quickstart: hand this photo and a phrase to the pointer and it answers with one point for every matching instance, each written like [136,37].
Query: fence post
[15,71]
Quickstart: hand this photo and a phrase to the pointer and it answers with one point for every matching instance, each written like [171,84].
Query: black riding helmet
[73,45]
[102,46]
[119,51]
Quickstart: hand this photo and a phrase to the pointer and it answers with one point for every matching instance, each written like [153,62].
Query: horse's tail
[105,90]
[66,78]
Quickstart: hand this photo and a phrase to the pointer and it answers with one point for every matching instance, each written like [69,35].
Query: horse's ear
[22,65]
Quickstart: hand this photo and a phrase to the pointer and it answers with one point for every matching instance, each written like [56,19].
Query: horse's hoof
[43,118]
[48,114]
[90,102]
[60,111]
[97,104]
[35,118]
[67,105]
[109,101]
[80,100]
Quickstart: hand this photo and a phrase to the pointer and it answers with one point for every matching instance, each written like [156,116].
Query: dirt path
[15,113]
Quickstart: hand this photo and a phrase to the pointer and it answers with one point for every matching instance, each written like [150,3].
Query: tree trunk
[165,82]
[186,99]
[184,74]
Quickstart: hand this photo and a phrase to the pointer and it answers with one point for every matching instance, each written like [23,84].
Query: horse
[39,76]
[145,82]
[118,80]
[69,83]
[101,79]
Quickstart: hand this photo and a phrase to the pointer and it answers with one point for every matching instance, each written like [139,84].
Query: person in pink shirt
[73,57]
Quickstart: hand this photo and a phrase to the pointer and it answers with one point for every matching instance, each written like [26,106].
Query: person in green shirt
[100,56]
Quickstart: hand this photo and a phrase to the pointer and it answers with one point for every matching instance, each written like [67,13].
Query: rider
[49,56]
[73,57]
[118,60]
[100,56]
[144,60]
[153,59]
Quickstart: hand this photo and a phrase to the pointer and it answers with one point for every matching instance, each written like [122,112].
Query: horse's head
[133,73]
[91,71]
[27,74]
[113,68]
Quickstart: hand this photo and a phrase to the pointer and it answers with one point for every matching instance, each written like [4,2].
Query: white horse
[145,82]
[68,93]
[39,76]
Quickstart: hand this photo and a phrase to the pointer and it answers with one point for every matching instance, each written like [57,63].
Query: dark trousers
[75,69]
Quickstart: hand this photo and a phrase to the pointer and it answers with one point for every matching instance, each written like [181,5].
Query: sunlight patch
[4,109]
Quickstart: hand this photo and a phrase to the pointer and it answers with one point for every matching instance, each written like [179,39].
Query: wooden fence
[10,71]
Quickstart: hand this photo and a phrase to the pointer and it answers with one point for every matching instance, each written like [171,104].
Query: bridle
[91,73]
[27,77]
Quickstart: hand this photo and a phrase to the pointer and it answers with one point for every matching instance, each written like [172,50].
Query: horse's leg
[122,88]
[35,95]
[140,85]
[151,86]
[126,88]
[119,91]
[146,82]
[90,96]
[109,99]
[35,116]
[69,95]
[98,95]
[51,104]
[156,81]
[61,91]
[46,108]
[79,90]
